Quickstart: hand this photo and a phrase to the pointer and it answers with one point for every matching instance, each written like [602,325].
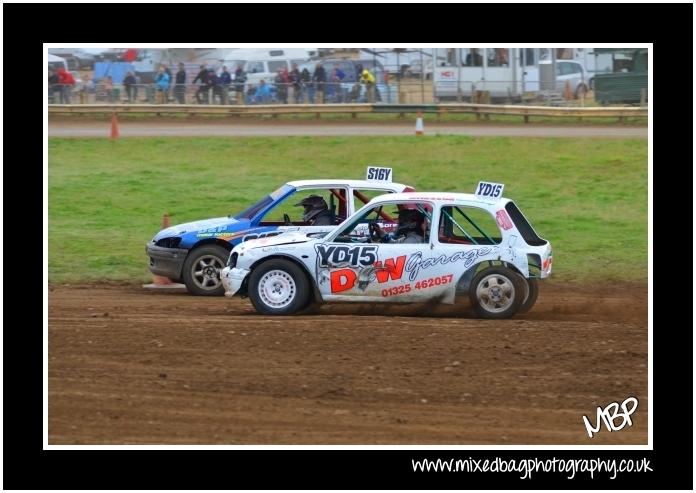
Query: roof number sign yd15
[486,189]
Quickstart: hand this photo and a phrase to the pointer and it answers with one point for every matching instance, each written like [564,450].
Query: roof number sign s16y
[379,174]
[486,189]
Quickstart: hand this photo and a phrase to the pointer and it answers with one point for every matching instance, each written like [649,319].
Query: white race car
[447,246]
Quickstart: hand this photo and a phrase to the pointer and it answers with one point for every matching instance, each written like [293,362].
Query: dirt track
[127,366]
[60,128]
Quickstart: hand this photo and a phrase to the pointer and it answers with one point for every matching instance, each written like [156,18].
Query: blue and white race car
[195,252]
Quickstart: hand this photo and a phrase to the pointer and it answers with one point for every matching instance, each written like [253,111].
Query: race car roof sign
[488,189]
[379,174]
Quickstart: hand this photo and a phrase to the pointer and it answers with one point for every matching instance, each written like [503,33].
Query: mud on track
[127,366]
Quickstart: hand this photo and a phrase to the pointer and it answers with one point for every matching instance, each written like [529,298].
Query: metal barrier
[396,91]
[276,109]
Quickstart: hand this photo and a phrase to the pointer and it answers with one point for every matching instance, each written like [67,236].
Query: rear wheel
[202,270]
[532,295]
[278,287]
[497,293]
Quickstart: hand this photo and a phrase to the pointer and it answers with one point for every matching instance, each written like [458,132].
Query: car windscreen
[253,210]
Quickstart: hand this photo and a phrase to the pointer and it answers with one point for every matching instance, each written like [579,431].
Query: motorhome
[506,73]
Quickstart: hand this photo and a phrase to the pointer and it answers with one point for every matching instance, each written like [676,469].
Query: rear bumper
[167,262]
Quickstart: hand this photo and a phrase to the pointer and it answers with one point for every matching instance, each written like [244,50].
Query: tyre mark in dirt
[172,368]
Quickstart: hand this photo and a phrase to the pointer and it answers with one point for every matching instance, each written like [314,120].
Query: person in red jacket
[66,81]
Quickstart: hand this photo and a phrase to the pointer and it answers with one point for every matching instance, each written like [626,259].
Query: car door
[355,267]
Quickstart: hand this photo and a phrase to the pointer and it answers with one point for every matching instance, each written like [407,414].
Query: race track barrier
[354,109]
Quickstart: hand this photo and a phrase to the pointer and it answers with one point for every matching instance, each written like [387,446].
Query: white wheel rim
[495,293]
[277,288]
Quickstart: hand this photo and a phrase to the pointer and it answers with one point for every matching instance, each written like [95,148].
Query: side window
[471,57]
[404,222]
[275,65]
[468,226]
[332,198]
[363,196]
[527,56]
[497,57]
[254,67]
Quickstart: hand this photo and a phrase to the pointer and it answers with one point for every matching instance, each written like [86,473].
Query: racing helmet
[410,220]
[313,206]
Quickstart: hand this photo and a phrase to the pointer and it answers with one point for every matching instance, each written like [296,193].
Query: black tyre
[278,287]
[202,270]
[497,293]
[532,295]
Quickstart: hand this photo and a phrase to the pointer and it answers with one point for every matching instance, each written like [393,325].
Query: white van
[265,63]
[55,62]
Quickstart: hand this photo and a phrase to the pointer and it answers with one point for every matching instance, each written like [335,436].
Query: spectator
[319,79]
[282,82]
[66,81]
[53,85]
[171,79]
[474,59]
[239,80]
[263,92]
[162,83]
[250,94]
[225,81]
[202,89]
[214,85]
[296,81]
[129,84]
[337,76]
[180,87]
[109,88]
[369,80]
[306,85]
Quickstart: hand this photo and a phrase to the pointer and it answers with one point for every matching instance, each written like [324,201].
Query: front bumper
[232,279]
[167,262]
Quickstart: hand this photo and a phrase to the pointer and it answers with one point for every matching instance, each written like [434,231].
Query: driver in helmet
[411,228]
[316,211]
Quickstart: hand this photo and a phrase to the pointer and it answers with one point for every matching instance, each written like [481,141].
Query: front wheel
[497,293]
[278,287]
[202,270]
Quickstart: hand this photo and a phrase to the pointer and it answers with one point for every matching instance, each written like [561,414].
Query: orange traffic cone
[114,126]
[567,93]
[419,124]
[161,281]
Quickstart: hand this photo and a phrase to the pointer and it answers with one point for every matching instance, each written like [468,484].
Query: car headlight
[232,260]
[171,242]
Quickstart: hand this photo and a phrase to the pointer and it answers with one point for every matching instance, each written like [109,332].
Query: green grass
[106,198]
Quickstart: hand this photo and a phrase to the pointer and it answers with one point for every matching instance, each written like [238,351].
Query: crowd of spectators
[220,86]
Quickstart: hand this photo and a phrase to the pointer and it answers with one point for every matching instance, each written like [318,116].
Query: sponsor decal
[420,285]
[346,267]
[416,263]
[503,220]
[344,256]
